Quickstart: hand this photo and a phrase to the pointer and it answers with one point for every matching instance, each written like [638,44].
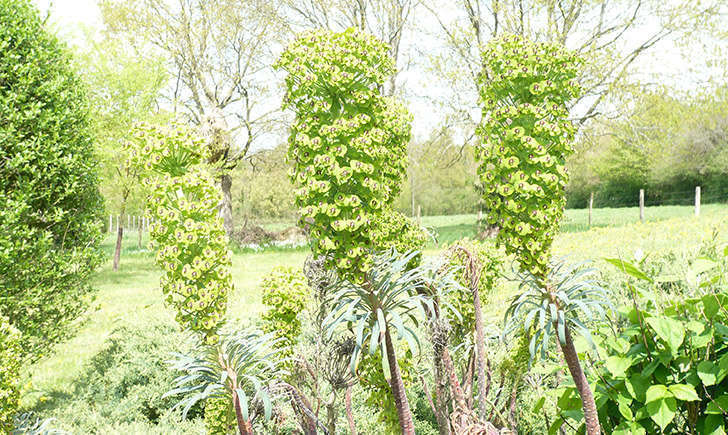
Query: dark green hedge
[49,199]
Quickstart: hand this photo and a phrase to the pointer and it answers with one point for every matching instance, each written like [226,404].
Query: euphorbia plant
[186,232]
[348,153]
[526,137]
[348,145]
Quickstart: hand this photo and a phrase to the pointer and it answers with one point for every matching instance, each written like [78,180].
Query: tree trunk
[582,386]
[400,396]
[120,231]
[226,206]
[349,412]
[140,231]
[244,426]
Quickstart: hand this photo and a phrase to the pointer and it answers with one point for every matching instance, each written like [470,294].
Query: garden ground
[131,295]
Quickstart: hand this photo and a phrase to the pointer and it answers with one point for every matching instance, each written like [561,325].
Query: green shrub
[9,373]
[50,206]
[124,382]
[666,365]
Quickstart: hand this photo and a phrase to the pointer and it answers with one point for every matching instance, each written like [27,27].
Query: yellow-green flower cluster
[165,149]
[285,295]
[525,139]
[395,230]
[186,231]
[348,143]
[10,358]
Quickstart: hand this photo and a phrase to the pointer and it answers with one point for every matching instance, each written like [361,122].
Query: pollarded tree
[348,150]
[526,137]
[50,206]
[219,54]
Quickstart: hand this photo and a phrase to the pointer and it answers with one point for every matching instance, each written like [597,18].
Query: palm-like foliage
[571,298]
[241,368]
[566,299]
[388,297]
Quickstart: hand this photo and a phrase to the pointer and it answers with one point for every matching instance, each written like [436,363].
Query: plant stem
[349,413]
[400,396]
[243,426]
[582,386]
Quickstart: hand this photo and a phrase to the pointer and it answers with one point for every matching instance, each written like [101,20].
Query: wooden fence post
[642,205]
[111,224]
[697,200]
[591,204]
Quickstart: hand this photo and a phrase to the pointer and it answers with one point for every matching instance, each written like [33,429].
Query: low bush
[123,384]
[9,368]
[665,368]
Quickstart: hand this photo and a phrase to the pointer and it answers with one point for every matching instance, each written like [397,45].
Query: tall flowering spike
[348,143]
[525,139]
[186,231]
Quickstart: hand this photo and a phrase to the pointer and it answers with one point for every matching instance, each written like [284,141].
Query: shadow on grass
[50,400]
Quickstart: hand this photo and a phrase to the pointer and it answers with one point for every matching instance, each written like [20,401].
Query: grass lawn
[131,295]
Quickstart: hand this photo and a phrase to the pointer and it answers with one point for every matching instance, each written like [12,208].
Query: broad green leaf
[711,425]
[684,392]
[628,268]
[637,386]
[708,373]
[712,304]
[662,411]
[671,331]
[618,365]
[718,406]
[657,392]
[629,428]
[539,404]
[624,409]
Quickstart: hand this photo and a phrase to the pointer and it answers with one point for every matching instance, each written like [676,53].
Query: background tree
[667,143]
[50,206]
[385,19]
[219,54]
[123,89]
[611,35]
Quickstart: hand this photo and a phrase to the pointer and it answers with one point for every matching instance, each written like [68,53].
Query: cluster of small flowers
[525,139]
[348,143]
[187,233]
[164,149]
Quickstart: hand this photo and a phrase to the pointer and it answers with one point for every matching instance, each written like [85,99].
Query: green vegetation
[10,354]
[50,205]
[361,319]
[137,286]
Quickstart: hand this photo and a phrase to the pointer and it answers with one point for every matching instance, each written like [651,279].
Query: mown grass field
[131,296]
